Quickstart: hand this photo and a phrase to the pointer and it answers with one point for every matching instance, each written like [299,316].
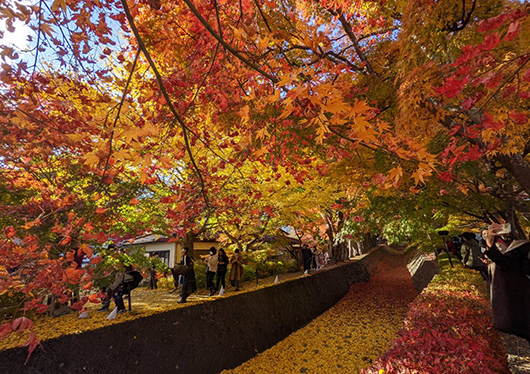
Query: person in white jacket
[211,269]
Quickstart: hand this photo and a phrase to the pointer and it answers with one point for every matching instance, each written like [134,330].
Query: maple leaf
[10,232]
[518,118]
[96,260]
[395,174]
[452,87]
[262,133]
[21,324]
[91,159]
[513,31]
[489,123]
[360,107]
[59,4]
[490,42]
[492,23]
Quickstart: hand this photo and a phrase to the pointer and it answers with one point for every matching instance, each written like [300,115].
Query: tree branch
[349,31]
[120,105]
[143,48]
[225,44]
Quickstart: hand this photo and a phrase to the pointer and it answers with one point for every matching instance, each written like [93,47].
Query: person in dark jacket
[189,285]
[306,258]
[509,282]
[152,272]
[222,265]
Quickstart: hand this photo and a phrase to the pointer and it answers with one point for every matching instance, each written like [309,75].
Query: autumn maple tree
[187,116]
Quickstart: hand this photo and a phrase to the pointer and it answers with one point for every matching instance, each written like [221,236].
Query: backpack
[137,278]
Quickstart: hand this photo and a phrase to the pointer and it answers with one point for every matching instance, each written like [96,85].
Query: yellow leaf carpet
[350,335]
[145,303]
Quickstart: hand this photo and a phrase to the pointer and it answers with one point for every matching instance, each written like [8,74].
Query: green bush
[200,274]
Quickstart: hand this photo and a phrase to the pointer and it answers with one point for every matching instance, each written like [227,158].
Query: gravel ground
[518,351]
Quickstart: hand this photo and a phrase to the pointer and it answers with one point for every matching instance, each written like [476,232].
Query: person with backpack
[123,284]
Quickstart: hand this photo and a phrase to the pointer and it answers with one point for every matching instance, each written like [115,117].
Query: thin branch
[375,33]
[120,105]
[262,15]
[38,39]
[143,48]
[349,31]
[203,79]
[479,109]
[229,48]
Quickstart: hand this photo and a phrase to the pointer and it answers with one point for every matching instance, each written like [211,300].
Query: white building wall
[163,246]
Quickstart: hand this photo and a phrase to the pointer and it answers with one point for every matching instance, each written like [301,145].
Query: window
[163,255]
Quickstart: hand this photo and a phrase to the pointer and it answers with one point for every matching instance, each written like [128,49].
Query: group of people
[505,264]
[216,268]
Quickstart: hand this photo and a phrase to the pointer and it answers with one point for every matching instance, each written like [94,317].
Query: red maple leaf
[452,87]
[489,123]
[492,23]
[490,42]
[513,30]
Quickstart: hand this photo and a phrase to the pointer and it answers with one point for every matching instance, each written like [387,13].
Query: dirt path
[350,335]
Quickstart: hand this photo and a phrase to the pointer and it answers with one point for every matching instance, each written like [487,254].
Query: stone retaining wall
[201,338]
[421,268]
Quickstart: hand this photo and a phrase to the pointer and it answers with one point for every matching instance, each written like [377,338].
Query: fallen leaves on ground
[448,329]
[350,335]
[145,302]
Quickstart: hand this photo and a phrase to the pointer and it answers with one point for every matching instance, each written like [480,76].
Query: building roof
[156,238]
[144,239]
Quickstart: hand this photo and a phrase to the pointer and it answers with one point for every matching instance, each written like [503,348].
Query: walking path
[350,335]
[518,353]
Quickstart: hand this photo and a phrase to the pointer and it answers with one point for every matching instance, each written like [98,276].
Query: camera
[506,229]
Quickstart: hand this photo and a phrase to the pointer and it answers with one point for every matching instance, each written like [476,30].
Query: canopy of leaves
[239,117]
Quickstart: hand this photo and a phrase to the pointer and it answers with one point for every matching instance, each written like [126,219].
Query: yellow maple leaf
[59,4]
[91,159]
[360,107]
[395,173]
[260,152]
[262,133]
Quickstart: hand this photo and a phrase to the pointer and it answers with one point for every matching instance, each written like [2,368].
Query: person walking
[189,284]
[222,265]
[236,274]
[211,269]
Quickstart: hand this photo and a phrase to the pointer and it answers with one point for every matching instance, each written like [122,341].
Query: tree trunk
[189,241]
[339,252]
[518,167]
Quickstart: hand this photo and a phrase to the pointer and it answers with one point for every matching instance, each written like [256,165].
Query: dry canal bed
[350,335]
